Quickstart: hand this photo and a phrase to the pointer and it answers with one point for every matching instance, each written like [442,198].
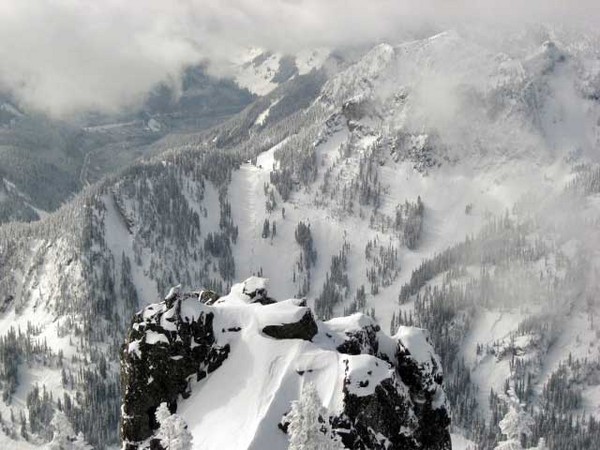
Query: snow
[154,125]
[489,327]
[152,337]
[43,287]
[416,339]
[354,82]
[486,371]
[498,161]
[255,70]
[13,189]
[307,60]
[173,292]
[365,373]
[249,393]
[120,241]
[254,284]
[577,337]
[252,252]
[491,190]
[111,126]
[280,313]
[134,347]
[591,401]
[262,117]
[11,109]
[149,311]
[489,374]
[459,442]
[234,408]
[11,444]
[352,322]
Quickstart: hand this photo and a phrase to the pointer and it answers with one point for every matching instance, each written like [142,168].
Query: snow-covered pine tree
[309,426]
[516,423]
[173,431]
[64,437]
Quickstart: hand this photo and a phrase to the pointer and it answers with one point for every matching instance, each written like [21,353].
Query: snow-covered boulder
[232,367]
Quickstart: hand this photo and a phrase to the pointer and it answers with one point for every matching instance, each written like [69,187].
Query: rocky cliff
[232,365]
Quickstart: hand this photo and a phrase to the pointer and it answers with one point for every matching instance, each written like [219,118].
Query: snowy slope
[244,397]
[261,71]
[478,134]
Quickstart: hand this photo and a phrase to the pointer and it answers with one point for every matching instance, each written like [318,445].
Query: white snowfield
[511,126]
[507,126]
[239,405]
[256,69]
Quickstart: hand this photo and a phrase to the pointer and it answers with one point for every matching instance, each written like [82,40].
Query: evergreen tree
[173,431]
[266,229]
[515,425]
[309,426]
[63,437]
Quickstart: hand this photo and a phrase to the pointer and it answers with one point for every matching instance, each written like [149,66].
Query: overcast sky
[68,56]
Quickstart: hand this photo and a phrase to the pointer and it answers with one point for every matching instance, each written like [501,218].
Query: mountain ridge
[325,194]
[368,401]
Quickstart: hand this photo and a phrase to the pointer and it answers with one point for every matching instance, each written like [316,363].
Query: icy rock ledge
[380,392]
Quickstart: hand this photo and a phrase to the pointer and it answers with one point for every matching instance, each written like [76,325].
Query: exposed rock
[389,388]
[378,421]
[208,297]
[305,329]
[356,108]
[163,352]
[256,289]
[362,341]
[421,371]
[406,410]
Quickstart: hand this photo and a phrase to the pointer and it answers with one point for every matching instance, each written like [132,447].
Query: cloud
[68,56]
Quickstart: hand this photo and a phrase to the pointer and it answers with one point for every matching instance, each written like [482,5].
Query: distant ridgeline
[246,371]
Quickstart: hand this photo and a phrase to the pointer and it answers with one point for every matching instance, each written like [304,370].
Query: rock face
[422,373]
[164,352]
[305,328]
[406,408]
[384,392]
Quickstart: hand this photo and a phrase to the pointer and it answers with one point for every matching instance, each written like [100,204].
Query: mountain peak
[246,361]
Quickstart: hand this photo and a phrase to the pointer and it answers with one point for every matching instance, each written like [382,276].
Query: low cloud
[67,56]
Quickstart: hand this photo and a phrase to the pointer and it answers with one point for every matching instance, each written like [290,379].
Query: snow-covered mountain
[445,183]
[46,161]
[231,366]
[261,71]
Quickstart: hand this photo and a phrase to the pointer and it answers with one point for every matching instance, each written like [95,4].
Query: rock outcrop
[406,409]
[165,351]
[305,328]
[384,392]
